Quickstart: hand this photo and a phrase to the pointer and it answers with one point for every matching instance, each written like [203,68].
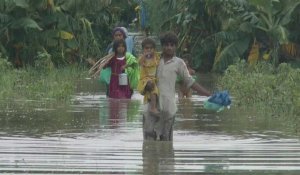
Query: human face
[118,35]
[121,49]
[169,50]
[148,50]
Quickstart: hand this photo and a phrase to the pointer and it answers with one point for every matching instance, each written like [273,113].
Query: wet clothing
[185,92]
[116,90]
[148,73]
[122,91]
[132,72]
[167,73]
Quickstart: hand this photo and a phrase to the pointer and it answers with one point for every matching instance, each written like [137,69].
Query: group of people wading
[153,75]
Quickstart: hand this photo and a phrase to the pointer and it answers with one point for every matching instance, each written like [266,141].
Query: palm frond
[231,52]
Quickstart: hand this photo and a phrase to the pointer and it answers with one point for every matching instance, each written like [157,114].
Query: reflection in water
[95,135]
[115,112]
[158,157]
[186,107]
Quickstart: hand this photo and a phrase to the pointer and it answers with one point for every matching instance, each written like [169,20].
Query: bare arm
[200,89]
[190,82]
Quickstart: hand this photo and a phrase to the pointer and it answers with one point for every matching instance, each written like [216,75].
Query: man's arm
[200,89]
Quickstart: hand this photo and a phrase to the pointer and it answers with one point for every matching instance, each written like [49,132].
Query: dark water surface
[95,135]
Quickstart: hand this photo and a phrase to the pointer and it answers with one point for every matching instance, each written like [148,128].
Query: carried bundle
[218,101]
[98,66]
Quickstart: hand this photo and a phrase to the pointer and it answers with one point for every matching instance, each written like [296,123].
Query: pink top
[116,90]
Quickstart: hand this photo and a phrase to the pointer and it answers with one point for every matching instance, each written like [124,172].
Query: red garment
[115,90]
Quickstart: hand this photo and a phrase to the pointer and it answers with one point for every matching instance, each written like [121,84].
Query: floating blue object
[220,98]
[218,101]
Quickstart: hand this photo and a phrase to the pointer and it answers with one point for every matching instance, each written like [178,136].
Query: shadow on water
[96,135]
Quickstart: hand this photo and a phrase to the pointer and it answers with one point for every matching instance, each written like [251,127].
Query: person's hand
[192,71]
[149,86]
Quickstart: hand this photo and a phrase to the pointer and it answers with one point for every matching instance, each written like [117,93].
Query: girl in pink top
[118,65]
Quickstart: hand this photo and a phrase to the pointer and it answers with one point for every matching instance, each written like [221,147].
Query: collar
[120,58]
[170,60]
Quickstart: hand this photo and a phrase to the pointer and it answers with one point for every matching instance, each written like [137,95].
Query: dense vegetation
[216,32]
[264,87]
[69,31]
[254,43]
[48,42]
[220,32]
[44,44]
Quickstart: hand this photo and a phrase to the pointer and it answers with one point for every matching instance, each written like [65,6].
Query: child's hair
[169,37]
[148,41]
[117,43]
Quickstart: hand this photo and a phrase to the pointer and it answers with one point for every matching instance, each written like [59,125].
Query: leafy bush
[264,87]
[4,64]
[6,76]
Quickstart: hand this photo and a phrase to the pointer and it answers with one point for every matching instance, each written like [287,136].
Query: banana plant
[201,27]
[15,22]
[273,16]
[59,27]
[265,20]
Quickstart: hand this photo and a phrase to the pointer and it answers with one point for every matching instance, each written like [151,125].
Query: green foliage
[43,61]
[4,64]
[64,29]
[204,25]
[5,78]
[264,87]
[32,83]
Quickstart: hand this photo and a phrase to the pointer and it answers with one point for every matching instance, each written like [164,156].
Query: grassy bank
[32,83]
[274,91]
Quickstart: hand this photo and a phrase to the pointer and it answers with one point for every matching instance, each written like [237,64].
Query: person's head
[125,31]
[169,37]
[118,33]
[148,46]
[119,47]
[169,41]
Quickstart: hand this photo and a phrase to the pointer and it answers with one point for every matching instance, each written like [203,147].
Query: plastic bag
[213,106]
[105,75]
[220,98]
[218,101]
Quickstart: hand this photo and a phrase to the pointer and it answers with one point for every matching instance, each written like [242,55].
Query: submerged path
[99,136]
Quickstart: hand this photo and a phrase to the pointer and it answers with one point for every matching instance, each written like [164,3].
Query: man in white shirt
[170,66]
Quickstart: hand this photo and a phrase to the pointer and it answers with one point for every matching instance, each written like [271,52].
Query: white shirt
[167,73]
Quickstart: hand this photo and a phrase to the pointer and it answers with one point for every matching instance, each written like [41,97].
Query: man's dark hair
[148,41]
[117,43]
[169,37]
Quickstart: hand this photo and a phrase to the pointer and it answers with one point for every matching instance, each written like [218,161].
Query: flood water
[95,135]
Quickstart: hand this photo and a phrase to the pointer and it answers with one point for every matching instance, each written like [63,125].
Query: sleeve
[132,70]
[184,74]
